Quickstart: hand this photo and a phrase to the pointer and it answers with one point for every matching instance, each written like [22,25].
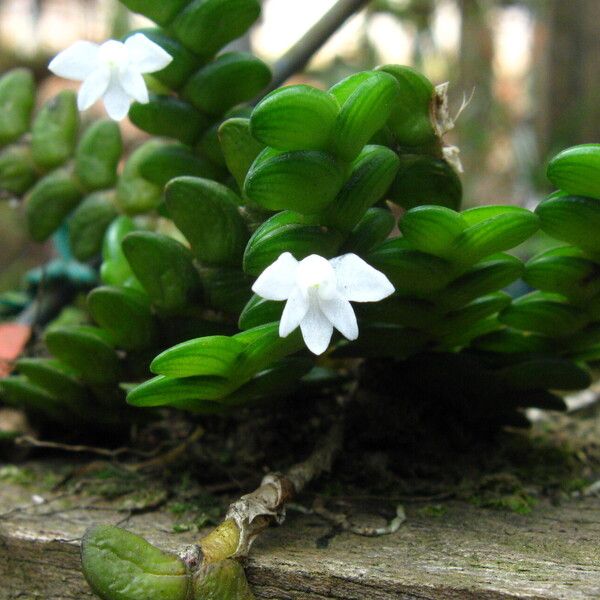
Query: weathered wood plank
[468,553]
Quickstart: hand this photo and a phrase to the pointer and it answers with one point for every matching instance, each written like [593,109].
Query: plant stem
[254,512]
[303,50]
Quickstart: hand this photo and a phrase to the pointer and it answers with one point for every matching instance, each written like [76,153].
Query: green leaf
[264,347]
[119,565]
[410,120]
[213,355]
[232,78]
[546,373]
[184,63]
[363,113]
[49,202]
[371,231]
[174,160]
[422,180]
[54,130]
[303,181]
[575,277]
[285,232]
[259,311]
[190,393]
[490,275]
[207,213]
[240,149]
[224,580]
[125,314]
[87,351]
[514,342]
[164,268]
[226,290]
[432,229]
[540,313]
[98,154]
[59,380]
[17,171]
[167,116]
[159,12]
[89,223]
[17,99]
[33,399]
[572,219]
[576,170]
[135,194]
[472,313]
[410,271]
[342,90]
[370,177]
[295,117]
[205,26]
[115,269]
[209,146]
[502,232]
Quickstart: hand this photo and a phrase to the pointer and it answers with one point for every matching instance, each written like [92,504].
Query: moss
[17,475]
[433,510]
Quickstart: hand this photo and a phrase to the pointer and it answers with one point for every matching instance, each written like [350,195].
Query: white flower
[112,70]
[318,293]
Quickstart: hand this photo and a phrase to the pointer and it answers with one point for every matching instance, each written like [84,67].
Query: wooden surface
[466,553]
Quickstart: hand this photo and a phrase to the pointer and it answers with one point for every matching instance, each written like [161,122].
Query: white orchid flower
[112,70]
[318,293]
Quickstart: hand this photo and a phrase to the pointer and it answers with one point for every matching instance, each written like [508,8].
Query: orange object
[13,339]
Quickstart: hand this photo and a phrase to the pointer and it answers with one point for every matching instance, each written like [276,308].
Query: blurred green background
[530,70]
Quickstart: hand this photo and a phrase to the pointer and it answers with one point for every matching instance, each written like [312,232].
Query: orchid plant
[236,226]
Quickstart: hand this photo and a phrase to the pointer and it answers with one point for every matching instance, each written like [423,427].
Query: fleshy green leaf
[205,26]
[87,350]
[370,177]
[240,149]
[125,314]
[48,203]
[119,565]
[171,117]
[410,120]
[207,213]
[164,268]
[17,99]
[576,170]
[54,130]
[98,154]
[285,232]
[363,113]
[89,223]
[232,78]
[422,180]
[296,117]
[304,181]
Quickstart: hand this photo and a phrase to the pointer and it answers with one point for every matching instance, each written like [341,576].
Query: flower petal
[116,101]
[359,281]
[278,280]
[316,330]
[295,310]
[76,62]
[133,83]
[341,314]
[145,55]
[93,88]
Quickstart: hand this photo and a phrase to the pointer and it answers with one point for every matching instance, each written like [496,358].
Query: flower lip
[316,274]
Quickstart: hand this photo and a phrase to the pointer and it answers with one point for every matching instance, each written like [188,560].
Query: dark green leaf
[207,213]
